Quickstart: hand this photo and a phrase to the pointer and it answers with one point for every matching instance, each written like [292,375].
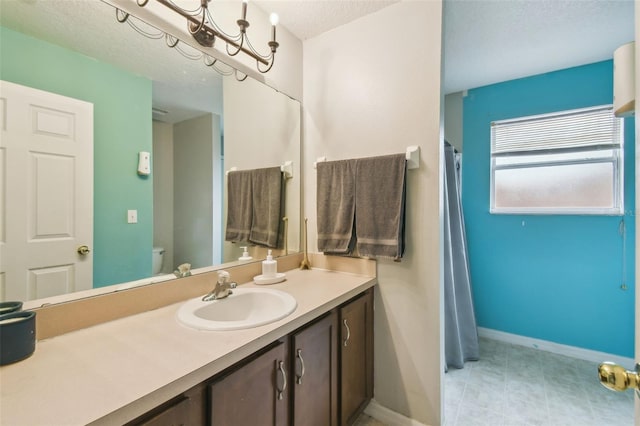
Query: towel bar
[286,168]
[412,153]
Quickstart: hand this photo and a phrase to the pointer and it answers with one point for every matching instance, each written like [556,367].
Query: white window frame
[617,161]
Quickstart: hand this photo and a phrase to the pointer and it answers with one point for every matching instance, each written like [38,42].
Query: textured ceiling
[485,41]
[309,18]
[491,41]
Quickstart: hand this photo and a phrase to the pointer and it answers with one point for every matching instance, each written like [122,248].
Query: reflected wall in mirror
[124,75]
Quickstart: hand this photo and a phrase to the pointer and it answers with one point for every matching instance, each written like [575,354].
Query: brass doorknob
[83,250]
[617,378]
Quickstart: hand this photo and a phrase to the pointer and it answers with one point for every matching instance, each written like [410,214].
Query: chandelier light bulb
[274,19]
[244,9]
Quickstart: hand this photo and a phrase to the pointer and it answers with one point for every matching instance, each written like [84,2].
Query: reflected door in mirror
[47,145]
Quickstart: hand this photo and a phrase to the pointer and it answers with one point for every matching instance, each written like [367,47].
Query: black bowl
[17,336]
[7,307]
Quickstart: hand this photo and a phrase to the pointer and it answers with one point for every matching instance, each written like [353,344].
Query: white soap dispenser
[269,266]
[245,255]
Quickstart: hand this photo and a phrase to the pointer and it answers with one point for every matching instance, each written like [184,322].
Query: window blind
[593,128]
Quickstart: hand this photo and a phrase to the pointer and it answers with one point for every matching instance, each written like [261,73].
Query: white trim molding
[389,417]
[556,348]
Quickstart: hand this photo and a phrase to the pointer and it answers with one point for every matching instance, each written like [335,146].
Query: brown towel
[267,190]
[335,205]
[380,206]
[239,206]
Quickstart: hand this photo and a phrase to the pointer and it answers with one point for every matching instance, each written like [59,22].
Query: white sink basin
[245,308]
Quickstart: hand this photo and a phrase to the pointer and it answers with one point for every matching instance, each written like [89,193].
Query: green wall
[122,128]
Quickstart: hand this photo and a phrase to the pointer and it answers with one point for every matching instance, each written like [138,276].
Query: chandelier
[205,31]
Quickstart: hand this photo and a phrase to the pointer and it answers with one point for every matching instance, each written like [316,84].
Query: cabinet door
[356,356]
[186,409]
[257,393]
[315,373]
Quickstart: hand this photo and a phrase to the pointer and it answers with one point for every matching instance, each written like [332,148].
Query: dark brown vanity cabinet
[256,393]
[315,373]
[320,374]
[188,409]
[356,356]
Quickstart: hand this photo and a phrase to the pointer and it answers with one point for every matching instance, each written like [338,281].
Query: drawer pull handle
[299,377]
[280,392]
[346,340]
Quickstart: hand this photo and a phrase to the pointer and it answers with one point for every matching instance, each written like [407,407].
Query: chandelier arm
[240,79]
[199,28]
[214,60]
[256,53]
[124,15]
[239,49]
[273,59]
[142,3]
[172,5]
[219,30]
[172,44]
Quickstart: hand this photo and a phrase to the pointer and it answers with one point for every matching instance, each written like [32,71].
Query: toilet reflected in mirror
[157,260]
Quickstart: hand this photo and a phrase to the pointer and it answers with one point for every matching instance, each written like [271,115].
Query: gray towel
[267,206]
[336,205]
[239,206]
[380,205]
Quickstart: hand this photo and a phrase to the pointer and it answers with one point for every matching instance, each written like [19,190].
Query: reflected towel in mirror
[268,188]
[239,205]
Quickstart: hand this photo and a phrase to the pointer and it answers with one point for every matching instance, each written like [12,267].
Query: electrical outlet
[132,216]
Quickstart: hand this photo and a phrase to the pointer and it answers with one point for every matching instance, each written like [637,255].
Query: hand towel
[380,206]
[267,186]
[335,206]
[239,206]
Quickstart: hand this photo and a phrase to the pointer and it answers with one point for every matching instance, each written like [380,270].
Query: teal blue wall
[550,277]
[122,128]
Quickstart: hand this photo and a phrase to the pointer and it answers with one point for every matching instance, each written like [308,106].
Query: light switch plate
[132,216]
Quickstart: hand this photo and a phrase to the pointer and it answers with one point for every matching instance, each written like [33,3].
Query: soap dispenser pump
[245,255]
[269,266]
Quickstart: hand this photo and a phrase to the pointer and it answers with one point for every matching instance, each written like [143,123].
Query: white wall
[162,172]
[197,200]
[372,87]
[262,129]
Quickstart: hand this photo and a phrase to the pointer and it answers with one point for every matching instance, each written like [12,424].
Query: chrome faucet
[222,289]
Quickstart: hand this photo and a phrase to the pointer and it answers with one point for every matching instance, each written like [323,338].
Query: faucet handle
[223,277]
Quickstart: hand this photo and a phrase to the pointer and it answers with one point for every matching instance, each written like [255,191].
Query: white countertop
[113,372]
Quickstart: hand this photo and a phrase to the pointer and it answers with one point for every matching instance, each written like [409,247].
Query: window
[569,162]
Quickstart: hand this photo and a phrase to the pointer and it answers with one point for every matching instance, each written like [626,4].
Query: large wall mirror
[144,97]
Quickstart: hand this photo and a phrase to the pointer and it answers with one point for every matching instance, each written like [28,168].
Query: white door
[46,188]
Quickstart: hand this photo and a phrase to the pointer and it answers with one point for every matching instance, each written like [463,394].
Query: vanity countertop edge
[114,372]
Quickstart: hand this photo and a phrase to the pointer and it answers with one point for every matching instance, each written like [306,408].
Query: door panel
[46,193]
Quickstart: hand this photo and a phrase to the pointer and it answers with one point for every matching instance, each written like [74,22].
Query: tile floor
[365,420]
[517,386]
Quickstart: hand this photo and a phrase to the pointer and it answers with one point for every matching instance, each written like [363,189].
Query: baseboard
[389,417]
[556,348]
